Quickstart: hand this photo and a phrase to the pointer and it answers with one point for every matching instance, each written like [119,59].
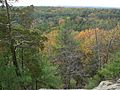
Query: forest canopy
[58,47]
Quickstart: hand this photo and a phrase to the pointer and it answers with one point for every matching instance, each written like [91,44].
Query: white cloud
[99,3]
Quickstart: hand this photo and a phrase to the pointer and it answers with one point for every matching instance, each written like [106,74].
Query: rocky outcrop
[108,85]
[105,85]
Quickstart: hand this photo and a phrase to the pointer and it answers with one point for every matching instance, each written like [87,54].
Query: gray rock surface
[104,85]
[108,85]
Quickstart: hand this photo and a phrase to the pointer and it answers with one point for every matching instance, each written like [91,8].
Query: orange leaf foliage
[51,40]
[88,38]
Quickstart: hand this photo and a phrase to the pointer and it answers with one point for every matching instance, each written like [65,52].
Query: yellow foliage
[51,41]
[88,39]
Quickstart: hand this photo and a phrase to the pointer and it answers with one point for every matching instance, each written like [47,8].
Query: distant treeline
[79,18]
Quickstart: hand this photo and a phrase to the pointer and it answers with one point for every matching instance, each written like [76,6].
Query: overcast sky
[88,3]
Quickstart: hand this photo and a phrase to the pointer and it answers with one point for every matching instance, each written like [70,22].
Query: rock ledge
[108,85]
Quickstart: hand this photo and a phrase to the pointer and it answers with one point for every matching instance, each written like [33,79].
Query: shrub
[110,71]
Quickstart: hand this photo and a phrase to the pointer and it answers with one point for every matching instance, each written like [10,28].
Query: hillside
[58,47]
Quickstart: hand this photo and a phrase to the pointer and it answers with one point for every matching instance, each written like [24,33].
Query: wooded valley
[58,47]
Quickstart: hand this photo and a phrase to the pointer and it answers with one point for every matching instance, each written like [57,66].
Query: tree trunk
[79,83]
[66,82]
[36,84]
[13,52]
[98,48]
[22,59]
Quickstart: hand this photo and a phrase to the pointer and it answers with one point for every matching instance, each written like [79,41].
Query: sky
[81,3]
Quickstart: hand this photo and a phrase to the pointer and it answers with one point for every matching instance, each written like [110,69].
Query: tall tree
[69,58]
